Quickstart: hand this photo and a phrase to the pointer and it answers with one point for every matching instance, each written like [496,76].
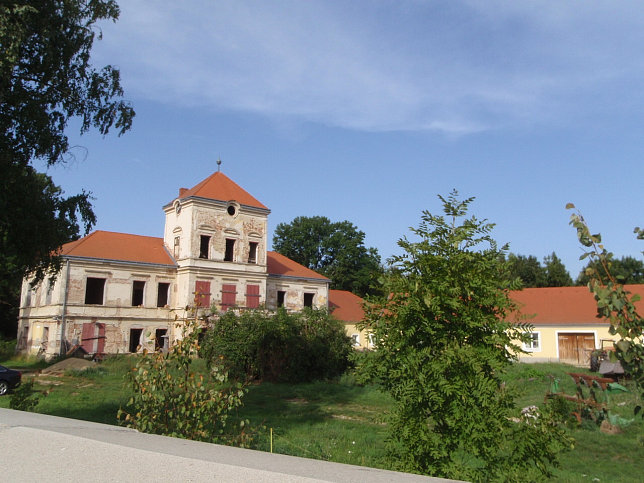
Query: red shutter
[252,296]
[100,345]
[228,296]
[202,293]
[87,338]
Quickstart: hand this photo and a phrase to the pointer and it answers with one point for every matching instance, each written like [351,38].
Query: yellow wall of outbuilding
[548,350]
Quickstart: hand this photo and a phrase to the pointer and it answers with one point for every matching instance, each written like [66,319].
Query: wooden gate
[575,348]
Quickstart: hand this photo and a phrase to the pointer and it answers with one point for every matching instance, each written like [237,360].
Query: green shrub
[24,397]
[173,399]
[561,410]
[7,348]
[364,367]
[278,347]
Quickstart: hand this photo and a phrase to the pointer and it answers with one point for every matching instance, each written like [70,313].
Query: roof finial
[218,164]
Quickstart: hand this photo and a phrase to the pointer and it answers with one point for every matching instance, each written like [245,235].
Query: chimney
[182,191]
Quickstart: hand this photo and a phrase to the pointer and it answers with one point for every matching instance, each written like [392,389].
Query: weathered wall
[295,290]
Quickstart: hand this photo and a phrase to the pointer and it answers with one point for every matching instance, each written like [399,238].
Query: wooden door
[575,348]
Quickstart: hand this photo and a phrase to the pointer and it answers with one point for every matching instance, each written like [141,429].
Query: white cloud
[454,67]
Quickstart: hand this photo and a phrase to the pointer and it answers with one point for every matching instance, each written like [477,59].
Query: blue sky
[366,110]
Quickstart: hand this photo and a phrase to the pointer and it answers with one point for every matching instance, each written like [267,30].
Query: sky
[367,110]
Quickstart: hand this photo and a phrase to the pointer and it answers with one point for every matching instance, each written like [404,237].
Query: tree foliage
[624,270]
[173,399]
[279,347]
[443,344]
[334,249]
[556,273]
[614,302]
[527,269]
[532,273]
[46,79]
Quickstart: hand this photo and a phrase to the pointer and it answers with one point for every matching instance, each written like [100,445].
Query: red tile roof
[345,306]
[564,305]
[278,264]
[220,187]
[109,245]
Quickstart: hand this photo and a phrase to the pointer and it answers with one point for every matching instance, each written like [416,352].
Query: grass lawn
[344,422]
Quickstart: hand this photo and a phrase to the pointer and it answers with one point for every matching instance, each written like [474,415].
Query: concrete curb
[40,447]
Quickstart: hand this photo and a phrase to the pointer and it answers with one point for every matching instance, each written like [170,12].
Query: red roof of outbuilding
[564,305]
[220,187]
[109,245]
[345,306]
[278,264]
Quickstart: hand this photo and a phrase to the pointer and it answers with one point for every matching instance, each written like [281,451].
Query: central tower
[217,234]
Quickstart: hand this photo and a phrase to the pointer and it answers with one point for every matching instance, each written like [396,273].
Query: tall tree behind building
[556,274]
[529,270]
[625,270]
[334,249]
[46,78]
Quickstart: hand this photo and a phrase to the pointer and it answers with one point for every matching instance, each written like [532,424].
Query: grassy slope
[345,423]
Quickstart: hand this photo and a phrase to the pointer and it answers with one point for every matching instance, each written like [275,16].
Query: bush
[7,348]
[25,398]
[173,399]
[278,347]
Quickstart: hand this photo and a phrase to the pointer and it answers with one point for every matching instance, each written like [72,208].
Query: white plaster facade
[120,293]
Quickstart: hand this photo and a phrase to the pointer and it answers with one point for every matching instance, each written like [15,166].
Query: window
[281,298]
[231,210]
[252,296]
[203,246]
[138,288]
[252,252]
[94,291]
[177,242]
[49,290]
[202,293]
[45,338]
[162,294]
[135,339]
[28,295]
[228,296]
[230,250]
[534,344]
[160,337]
[308,299]
[355,340]
[372,340]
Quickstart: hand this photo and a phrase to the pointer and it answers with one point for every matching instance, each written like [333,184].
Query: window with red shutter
[87,338]
[228,296]
[252,296]
[202,293]
[100,344]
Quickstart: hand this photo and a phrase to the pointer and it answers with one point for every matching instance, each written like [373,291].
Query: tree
[614,303]
[527,269]
[443,344]
[334,249]
[46,78]
[556,274]
[625,270]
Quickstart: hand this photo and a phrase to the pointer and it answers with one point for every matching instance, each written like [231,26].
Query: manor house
[119,293]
